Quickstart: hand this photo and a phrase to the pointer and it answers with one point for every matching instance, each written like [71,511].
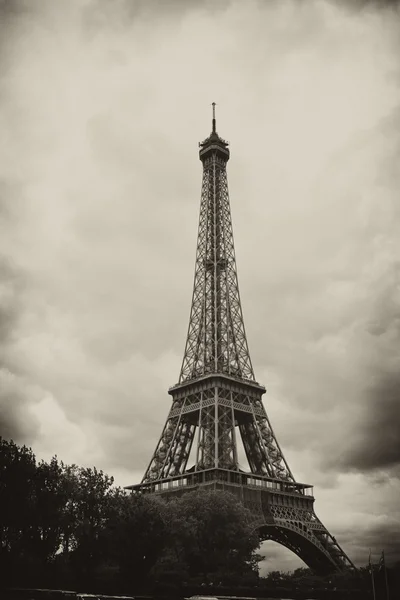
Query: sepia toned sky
[102,104]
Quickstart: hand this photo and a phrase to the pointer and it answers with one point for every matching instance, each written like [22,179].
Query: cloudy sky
[102,104]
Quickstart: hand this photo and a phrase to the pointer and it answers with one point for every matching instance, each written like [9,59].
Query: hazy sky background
[102,104]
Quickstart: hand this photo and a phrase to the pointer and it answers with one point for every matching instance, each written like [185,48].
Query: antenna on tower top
[213,120]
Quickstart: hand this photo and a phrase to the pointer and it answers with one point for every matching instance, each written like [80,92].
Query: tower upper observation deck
[214,143]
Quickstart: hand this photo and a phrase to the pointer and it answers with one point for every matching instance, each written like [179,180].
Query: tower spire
[214,130]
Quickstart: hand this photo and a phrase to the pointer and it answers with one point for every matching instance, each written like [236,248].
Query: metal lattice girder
[216,339]
[306,523]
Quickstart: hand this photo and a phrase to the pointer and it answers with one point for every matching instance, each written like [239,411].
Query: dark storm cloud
[380,445]
[360,5]
[15,422]
[15,396]
[377,444]
[385,536]
[139,7]
[99,14]
[376,441]
[10,7]
[10,13]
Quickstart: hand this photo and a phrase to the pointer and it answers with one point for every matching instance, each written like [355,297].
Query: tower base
[282,511]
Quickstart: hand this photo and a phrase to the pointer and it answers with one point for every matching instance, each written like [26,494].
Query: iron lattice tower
[217,397]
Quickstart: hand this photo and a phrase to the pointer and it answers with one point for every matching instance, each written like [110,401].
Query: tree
[63,522]
[17,475]
[48,499]
[301,572]
[210,531]
[135,535]
[89,502]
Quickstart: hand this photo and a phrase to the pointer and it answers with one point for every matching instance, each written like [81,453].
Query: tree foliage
[135,535]
[64,522]
[210,532]
[68,526]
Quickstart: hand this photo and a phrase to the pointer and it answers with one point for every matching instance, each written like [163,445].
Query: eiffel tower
[217,398]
